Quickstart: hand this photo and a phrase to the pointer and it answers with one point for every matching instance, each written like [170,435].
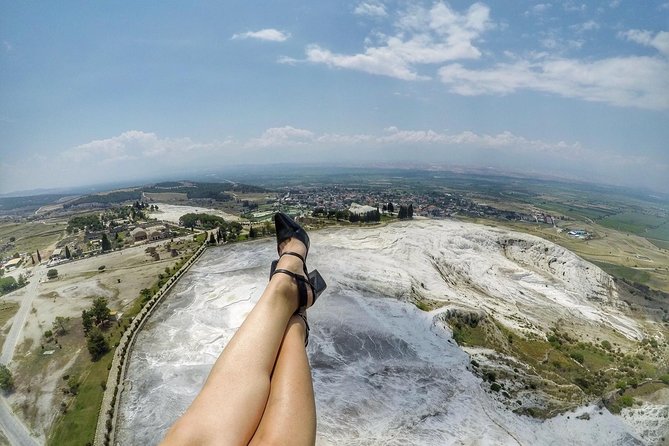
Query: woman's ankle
[294,245]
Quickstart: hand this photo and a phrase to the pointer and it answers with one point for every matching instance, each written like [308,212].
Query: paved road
[13,428]
[30,293]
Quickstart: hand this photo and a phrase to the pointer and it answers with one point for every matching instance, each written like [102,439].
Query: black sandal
[287,228]
[313,279]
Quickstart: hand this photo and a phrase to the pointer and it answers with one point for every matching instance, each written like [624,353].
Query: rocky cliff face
[384,371]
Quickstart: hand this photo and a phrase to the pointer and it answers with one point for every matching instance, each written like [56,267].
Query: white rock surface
[384,371]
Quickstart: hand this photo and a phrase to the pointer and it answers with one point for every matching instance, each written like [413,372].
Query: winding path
[13,428]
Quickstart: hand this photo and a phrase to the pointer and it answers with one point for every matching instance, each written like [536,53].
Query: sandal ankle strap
[302,282]
[294,254]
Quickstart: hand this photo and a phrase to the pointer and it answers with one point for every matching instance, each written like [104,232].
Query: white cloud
[423,36]
[571,6]
[135,154]
[281,136]
[7,45]
[268,34]
[540,8]
[393,136]
[590,25]
[371,9]
[614,3]
[128,146]
[659,41]
[623,81]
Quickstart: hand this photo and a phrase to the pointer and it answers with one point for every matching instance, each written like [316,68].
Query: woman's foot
[294,265]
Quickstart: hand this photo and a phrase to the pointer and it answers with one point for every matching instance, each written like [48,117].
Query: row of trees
[93,320]
[405,212]
[9,284]
[205,221]
[367,217]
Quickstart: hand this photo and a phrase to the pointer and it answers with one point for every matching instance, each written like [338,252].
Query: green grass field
[624,272]
[638,223]
[31,236]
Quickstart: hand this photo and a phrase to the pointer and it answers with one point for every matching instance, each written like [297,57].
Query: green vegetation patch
[91,222]
[77,425]
[7,311]
[595,369]
[639,224]
[108,198]
[29,236]
[624,272]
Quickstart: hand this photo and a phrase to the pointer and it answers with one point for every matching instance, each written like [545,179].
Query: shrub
[6,379]
[52,273]
[577,356]
[96,343]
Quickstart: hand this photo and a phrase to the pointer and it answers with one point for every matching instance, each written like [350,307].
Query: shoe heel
[318,283]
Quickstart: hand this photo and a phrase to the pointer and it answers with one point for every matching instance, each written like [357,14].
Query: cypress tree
[106,244]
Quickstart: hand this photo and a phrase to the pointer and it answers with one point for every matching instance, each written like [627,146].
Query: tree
[22,280]
[8,284]
[96,343]
[106,244]
[87,320]
[32,259]
[391,208]
[2,270]
[12,239]
[60,325]
[410,211]
[403,213]
[68,255]
[52,273]
[212,239]
[6,379]
[39,257]
[253,233]
[100,310]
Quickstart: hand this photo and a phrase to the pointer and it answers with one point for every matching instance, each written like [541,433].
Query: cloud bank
[136,154]
[423,36]
[441,38]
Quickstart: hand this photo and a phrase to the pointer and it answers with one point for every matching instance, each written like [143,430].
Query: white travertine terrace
[384,371]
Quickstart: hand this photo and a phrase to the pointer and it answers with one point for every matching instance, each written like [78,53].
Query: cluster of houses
[12,264]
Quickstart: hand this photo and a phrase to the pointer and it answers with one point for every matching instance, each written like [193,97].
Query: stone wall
[106,427]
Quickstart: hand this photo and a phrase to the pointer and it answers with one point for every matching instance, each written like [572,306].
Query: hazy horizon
[129,91]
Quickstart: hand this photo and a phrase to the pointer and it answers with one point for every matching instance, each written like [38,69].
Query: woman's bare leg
[230,405]
[290,414]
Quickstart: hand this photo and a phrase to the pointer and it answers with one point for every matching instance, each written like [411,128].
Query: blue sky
[96,92]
